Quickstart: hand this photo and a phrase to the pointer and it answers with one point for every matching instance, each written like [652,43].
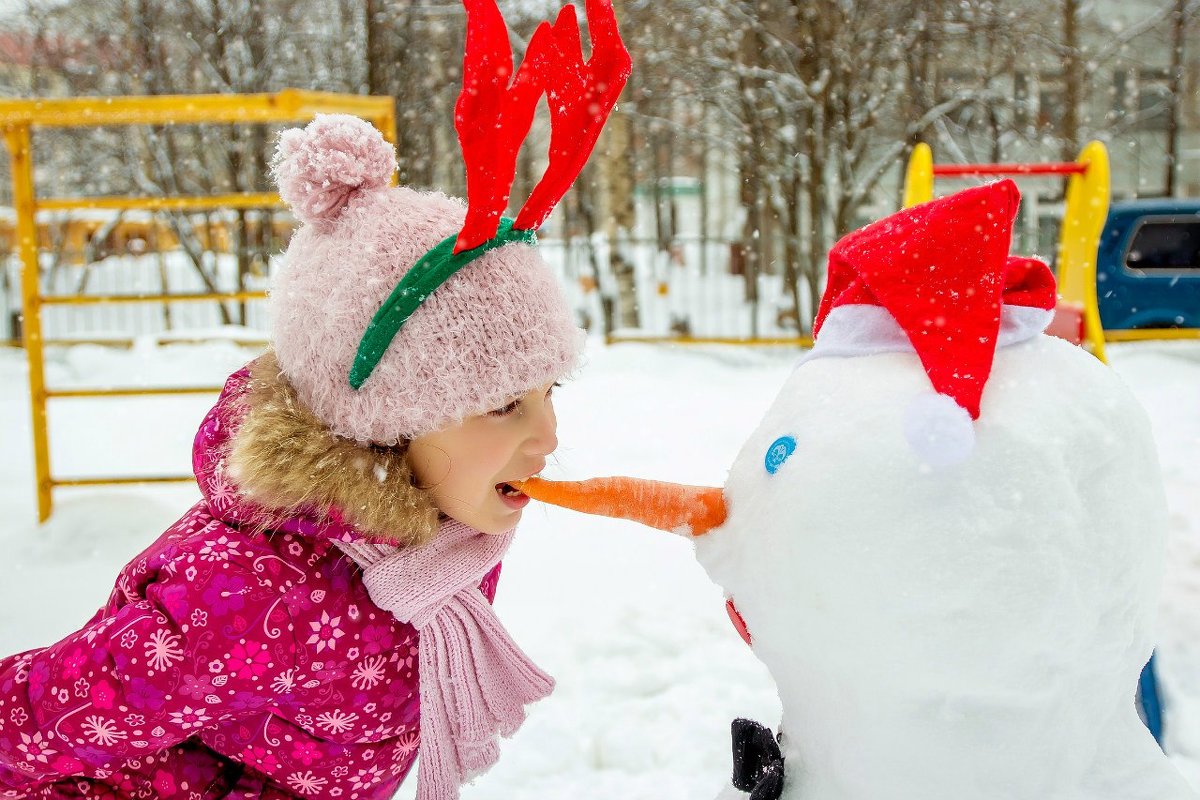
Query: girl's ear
[429,458]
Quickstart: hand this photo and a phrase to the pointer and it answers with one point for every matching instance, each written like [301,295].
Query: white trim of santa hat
[937,279]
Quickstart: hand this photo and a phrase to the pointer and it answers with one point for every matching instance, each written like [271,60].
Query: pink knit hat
[496,329]
[399,313]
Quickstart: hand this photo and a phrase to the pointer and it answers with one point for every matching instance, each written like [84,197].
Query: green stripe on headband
[434,269]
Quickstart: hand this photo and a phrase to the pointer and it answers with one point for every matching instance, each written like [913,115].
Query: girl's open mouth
[511,496]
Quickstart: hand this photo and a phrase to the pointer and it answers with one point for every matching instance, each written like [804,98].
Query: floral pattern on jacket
[228,662]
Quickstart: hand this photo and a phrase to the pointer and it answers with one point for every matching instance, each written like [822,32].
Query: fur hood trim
[284,459]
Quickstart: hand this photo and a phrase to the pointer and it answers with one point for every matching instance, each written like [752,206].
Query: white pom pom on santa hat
[940,432]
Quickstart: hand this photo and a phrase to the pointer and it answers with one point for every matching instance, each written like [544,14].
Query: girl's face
[467,468]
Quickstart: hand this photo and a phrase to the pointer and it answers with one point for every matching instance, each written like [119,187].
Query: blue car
[1148,265]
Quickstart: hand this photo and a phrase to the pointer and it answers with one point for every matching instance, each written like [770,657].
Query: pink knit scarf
[474,680]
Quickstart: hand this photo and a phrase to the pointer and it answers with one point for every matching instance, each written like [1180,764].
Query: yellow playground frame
[18,118]
[1087,199]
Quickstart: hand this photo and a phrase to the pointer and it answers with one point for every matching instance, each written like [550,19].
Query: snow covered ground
[650,672]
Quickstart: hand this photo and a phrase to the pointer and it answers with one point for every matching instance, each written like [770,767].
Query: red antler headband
[493,115]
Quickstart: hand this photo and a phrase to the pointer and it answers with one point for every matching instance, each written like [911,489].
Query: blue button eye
[780,450]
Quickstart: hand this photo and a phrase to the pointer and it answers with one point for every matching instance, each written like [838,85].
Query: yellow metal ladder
[18,119]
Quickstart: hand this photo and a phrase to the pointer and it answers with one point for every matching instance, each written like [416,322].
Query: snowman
[944,538]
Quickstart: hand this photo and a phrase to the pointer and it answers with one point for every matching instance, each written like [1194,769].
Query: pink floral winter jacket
[226,663]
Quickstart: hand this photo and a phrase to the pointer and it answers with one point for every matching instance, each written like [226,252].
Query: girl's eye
[504,412]
[515,404]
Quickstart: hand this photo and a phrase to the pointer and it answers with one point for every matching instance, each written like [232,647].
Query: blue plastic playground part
[1149,701]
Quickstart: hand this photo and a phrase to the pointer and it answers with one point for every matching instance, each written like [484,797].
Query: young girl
[318,619]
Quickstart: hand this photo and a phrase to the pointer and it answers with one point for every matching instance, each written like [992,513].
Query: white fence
[688,291]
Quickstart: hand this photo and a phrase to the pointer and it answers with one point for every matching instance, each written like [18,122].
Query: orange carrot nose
[672,507]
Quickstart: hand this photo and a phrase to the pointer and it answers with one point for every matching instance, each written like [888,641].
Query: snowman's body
[972,632]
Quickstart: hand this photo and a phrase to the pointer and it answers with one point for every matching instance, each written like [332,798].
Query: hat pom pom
[319,167]
[939,430]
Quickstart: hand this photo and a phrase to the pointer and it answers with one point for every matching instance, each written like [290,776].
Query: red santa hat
[942,272]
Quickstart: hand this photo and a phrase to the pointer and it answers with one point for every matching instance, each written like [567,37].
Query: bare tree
[809,105]
[1072,78]
[1181,11]
[819,101]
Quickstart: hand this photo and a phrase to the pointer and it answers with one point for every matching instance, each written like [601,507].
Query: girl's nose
[543,439]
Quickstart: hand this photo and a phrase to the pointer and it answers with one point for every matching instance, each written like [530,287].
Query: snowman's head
[906,334]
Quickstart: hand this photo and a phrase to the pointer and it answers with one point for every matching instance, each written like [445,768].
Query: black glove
[757,760]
